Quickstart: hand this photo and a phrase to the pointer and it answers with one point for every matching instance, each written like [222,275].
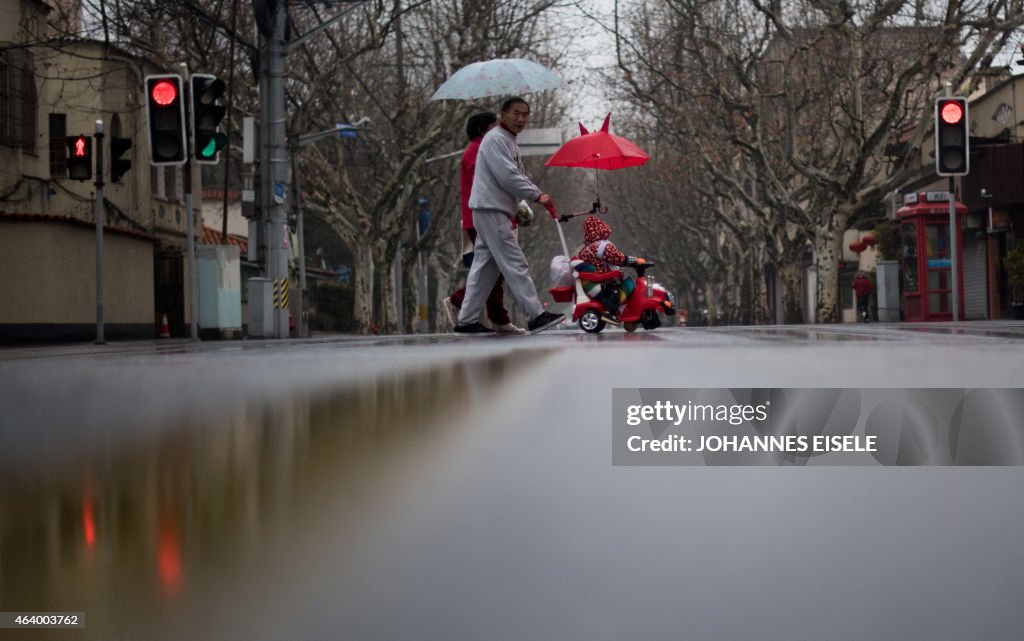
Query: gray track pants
[497,252]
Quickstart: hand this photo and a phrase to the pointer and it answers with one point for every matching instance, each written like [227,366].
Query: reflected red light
[951,113]
[168,557]
[164,93]
[88,525]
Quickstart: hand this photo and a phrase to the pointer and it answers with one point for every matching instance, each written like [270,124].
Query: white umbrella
[500,77]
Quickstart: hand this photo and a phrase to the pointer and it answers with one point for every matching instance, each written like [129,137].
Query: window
[166,183]
[58,146]
[17,99]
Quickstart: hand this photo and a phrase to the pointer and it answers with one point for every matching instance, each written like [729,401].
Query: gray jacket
[500,181]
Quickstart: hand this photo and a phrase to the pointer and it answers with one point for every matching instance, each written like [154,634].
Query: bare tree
[808,99]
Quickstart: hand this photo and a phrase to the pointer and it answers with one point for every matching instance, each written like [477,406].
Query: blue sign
[346,130]
[344,274]
[938,262]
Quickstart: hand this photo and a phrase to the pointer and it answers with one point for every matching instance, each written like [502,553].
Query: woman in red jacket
[863,287]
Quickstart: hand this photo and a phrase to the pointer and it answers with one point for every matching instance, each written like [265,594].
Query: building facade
[51,89]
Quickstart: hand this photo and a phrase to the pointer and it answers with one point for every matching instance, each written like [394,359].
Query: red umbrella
[598,150]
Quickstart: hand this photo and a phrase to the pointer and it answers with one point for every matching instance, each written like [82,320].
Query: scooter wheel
[591,322]
[649,319]
[629,327]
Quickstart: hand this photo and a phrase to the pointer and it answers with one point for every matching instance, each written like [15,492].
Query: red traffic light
[951,112]
[165,115]
[164,93]
[80,147]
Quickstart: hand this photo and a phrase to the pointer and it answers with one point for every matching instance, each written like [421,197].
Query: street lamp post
[422,224]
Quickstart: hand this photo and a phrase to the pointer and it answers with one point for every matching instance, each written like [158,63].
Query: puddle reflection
[134,533]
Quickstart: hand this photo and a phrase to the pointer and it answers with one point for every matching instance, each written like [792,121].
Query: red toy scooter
[642,307]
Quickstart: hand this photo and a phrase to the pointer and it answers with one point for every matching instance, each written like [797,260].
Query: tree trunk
[758,289]
[792,286]
[726,302]
[826,261]
[385,261]
[362,312]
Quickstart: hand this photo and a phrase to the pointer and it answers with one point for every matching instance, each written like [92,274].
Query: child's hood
[595,229]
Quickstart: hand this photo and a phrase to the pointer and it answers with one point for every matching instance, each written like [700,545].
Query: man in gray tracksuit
[500,182]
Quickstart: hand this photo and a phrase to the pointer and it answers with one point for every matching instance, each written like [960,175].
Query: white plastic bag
[560,272]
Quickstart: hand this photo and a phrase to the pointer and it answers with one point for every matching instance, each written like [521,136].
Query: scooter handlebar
[642,267]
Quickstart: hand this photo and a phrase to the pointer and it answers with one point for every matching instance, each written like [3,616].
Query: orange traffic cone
[165,331]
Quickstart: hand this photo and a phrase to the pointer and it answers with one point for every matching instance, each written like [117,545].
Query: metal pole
[263,179]
[421,286]
[99,232]
[953,257]
[297,197]
[277,250]
[190,241]
[193,289]
[399,307]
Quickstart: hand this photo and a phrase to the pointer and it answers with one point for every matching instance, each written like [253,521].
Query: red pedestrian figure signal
[79,155]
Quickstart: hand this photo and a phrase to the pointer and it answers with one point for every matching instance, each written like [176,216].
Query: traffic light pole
[954,237]
[190,242]
[99,233]
[193,289]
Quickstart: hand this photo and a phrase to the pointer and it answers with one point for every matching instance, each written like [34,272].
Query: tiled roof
[212,236]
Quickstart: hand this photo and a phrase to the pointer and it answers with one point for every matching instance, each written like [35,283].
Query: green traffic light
[209,145]
[210,150]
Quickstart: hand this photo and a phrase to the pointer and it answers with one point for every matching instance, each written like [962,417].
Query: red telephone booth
[924,230]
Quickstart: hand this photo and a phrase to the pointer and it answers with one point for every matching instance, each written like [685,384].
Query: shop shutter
[975,277]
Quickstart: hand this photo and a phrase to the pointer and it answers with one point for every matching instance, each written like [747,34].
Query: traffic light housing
[952,137]
[165,110]
[79,157]
[207,112]
[119,166]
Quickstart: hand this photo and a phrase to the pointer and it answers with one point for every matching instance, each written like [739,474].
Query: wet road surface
[452,488]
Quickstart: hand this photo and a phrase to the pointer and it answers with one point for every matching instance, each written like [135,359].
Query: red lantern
[857,246]
[868,240]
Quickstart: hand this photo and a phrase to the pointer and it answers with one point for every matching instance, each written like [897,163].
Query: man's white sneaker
[509,328]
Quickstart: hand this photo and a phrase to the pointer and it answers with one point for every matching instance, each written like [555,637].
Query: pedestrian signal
[118,165]
[79,149]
